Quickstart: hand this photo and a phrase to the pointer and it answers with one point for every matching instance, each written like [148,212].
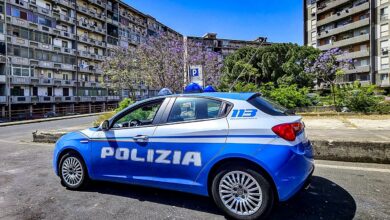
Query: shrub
[290,96]
[359,98]
[122,105]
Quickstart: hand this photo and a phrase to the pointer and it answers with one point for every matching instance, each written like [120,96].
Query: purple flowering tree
[329,67]
[162,61]
[121,70]
[211,62]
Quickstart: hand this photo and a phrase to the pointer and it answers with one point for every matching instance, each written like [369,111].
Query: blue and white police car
[238,148]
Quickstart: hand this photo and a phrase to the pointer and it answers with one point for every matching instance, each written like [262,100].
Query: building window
[384,30]
[384,62]
[313,23]
[314,36]
[385,46]
[20,70]
[383,1]
[384,13]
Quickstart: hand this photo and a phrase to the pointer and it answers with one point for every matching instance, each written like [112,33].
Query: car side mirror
[105,125]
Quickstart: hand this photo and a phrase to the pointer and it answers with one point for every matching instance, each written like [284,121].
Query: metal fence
[41,112]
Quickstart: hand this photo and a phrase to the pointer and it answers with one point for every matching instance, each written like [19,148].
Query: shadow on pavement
[323,200]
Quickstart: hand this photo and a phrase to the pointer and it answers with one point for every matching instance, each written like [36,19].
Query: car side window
[194,108]
[141,116]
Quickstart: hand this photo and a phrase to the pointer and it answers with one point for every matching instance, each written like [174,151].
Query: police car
[238,148]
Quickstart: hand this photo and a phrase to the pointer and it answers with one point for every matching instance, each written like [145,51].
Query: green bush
[359,98]
[291,96]
[106,116]
[382,108]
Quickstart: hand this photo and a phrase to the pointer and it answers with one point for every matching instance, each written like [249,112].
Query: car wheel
[73,172]
[242,193]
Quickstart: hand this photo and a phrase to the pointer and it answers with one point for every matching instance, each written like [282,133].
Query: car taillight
[288,131]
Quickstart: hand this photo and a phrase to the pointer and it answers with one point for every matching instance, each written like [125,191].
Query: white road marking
[368,169]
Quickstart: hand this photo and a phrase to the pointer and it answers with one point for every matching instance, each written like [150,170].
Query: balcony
[358,69]
[325,7]
[3,99]
[343,14]
[356,54]
[45,99]
[19,61]
[21,4]
[347,27]
[20,99]
[85,54]
[18,41]
[65,18]
[18,22]
[20,80]
[64,3]
[384,17]
[98,2]
[345,42]
[113,98]
[91,27]
[3,79]
[101,98]
[46,64]
[383,82]
[85,98]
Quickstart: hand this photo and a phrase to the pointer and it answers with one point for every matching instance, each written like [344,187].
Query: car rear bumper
[295,173]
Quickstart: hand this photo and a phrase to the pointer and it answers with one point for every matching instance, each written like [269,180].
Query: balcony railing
[343,14]
[20,80]
[347,27]
[345,42]
[358,69]
[356,54]
[3,99]
[384,17]
[326,6]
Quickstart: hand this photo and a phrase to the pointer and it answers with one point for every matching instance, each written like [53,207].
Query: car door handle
[141,138]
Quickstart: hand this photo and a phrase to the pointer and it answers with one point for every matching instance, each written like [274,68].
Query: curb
[349,151]
[352,151]
[48,119]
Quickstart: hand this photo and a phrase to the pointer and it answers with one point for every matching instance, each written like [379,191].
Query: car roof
[222,95]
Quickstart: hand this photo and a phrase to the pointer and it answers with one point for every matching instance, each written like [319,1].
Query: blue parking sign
[194,72]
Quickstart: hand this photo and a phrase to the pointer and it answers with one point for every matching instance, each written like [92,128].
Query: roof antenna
[239,75]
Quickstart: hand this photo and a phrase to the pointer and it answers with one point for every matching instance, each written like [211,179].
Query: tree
[328,68]
[277,63]
[161,58]
[211,62]
[122,70]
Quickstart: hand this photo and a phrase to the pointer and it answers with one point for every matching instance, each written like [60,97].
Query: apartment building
[360,28]
[224,46]
[51,52]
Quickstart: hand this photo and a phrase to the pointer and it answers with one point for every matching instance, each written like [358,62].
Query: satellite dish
[193,88]
[164,91]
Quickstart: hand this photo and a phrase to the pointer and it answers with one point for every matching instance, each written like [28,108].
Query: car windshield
[267,106]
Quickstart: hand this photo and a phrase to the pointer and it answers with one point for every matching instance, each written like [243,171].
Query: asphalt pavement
[29,189]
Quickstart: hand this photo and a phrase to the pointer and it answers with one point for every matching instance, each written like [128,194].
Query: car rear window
[268,106]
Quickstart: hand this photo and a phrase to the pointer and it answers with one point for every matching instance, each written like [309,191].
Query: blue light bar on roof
[193,88]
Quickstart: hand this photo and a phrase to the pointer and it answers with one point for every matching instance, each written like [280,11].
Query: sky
[278,20]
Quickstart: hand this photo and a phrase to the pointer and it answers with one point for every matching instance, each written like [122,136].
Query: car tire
[73,172]
[254,197]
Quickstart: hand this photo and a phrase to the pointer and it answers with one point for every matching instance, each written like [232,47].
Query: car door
[120,153]
[192,132]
